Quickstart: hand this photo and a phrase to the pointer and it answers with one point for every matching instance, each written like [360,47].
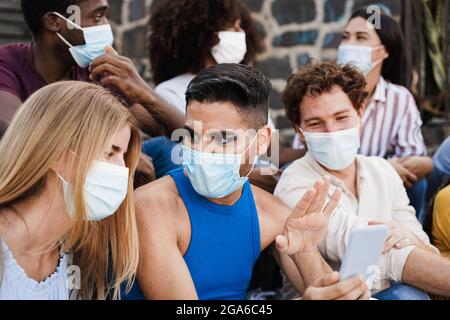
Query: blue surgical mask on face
[334,150]
[214,175]
[96,39]
[359,56]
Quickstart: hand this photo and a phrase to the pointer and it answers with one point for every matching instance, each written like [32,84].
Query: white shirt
[382,197]
[174,92]
[16,285]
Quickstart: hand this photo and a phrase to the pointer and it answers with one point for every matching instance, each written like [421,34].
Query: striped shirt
[391,124]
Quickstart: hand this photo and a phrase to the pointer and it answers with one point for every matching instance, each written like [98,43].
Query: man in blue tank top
[203,227]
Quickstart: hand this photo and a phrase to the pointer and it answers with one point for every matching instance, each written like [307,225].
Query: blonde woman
[66,178]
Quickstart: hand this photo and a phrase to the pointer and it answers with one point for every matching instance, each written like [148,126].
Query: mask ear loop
[256,157]
[68,21]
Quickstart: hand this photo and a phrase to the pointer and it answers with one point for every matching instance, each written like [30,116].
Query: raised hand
[308,222]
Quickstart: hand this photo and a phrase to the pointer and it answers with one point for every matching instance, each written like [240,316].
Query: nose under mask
[96,38]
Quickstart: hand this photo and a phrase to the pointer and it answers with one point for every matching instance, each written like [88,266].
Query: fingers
[357,292]
[303,205]
[109,49]
[404,243]
[113,81]
[350,288]
[320,197]
[333,203]
[111,58]
[281,243]
[106,67]
[328,280]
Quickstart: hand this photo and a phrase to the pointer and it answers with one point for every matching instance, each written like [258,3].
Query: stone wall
[294,32]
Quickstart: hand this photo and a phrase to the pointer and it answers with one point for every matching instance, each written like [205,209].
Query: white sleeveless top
[16,285]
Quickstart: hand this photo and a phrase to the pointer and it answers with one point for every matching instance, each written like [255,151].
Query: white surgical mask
[97,38]
[359,56]
[231,48]
[104,190]
[215,175]
[334,150]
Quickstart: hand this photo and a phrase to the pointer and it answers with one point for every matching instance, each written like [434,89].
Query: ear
[384,53]
[264,136]
[52,22]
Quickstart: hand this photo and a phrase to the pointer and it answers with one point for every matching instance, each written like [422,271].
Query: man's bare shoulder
[159,197]
[269,205]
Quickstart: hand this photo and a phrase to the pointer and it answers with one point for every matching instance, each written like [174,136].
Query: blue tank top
[224,246]
[225,242]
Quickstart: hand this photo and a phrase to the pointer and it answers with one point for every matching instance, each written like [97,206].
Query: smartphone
[363,251]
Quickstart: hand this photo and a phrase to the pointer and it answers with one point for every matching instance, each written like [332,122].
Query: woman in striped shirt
[392,121]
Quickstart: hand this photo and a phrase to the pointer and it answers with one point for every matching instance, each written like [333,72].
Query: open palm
[308,222]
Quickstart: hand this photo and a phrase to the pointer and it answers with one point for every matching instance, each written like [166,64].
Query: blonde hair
[82,118]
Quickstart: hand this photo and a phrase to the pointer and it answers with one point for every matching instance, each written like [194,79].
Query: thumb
[281,243]
[328,280]
[109,49]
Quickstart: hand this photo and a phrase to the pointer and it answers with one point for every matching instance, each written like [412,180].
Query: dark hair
[315,79]
[184,31]
[34,11]
[245,87]
[391,37]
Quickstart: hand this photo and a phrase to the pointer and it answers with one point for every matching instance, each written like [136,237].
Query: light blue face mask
[96,39]
[359,56]
[214,175]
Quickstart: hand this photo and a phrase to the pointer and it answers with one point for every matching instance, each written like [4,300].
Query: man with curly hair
[324,102]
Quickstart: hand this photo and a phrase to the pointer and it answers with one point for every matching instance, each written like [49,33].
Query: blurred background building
[296,31]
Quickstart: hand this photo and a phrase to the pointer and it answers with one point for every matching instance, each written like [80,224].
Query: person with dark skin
[47,60]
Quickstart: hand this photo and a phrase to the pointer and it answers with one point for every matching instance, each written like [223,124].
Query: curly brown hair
[184,31]
[314,79]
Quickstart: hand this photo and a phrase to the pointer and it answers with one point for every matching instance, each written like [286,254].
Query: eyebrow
[358,33]
[100,9]
[334,115]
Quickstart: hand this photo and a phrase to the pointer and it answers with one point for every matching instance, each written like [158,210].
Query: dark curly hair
[182,33]
[314,79]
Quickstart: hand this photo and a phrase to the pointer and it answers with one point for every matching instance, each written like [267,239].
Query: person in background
[190,35]
[62,49]
[325,104]
[441,170]
[203,227]
[391,122]
[437,222]
[67,162]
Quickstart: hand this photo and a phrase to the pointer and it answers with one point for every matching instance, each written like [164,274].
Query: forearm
[165,115]
[311,266]
[428,272]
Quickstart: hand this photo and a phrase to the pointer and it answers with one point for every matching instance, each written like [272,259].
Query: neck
[230,199]
[372,80]
[49,62]
[346,175]
[36,225]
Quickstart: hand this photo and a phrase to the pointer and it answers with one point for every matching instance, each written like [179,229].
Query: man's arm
[428,272]
[298,232]
[162,272]
[113,70]
[9,104]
